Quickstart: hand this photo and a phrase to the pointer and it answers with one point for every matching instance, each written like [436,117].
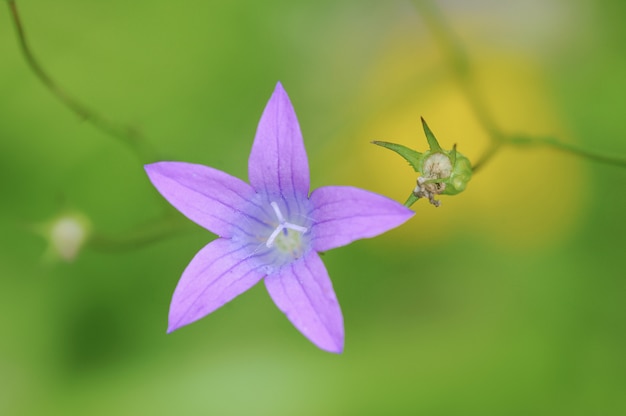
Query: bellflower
[271,228]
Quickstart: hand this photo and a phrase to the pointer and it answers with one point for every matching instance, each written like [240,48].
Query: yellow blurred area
[521,198]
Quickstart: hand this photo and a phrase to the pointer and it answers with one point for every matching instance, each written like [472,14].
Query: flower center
[437,166]
[287,237]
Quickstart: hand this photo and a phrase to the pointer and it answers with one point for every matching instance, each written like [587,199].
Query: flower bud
[443,172]
[66,235]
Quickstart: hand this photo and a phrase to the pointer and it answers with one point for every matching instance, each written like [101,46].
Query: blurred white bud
[67,234]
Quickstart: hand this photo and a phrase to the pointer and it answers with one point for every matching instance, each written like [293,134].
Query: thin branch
[168,225]
[493,148]
[567,148]
[125,134]
[456,56]
[460,63]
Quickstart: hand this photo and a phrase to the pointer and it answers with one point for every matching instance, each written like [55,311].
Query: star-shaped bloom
[270,229]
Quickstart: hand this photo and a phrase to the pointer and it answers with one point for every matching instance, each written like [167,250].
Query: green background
[508,299]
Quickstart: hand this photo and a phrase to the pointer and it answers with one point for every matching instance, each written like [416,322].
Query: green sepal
[432,141]
[452,155]
[461,173]
[413,157]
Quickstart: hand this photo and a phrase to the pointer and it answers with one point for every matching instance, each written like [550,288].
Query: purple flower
[271,228]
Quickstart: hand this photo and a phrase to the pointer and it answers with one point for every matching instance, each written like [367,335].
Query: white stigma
[282,225]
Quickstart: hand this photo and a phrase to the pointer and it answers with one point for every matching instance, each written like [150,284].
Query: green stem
[126,134]
[460,63]
[567,148]
[493,148]
[144,235]
[456,56]
[411,200]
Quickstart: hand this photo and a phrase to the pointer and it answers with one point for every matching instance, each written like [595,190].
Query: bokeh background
[508,299]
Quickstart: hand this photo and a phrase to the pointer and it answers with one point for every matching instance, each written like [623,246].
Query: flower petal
[342,214]
[207,196]
[278,163]
[218,273]
[303,291]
